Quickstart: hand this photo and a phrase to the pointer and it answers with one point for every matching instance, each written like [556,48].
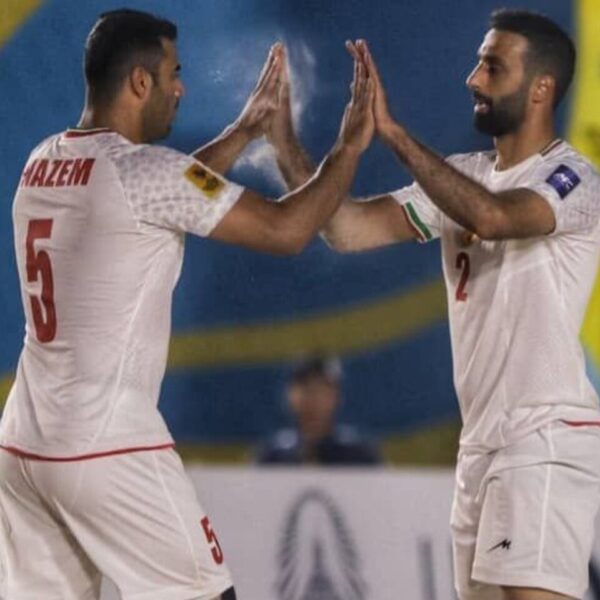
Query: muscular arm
[287,226]
[220,153]
[514,213]
[356,225]
[517,213]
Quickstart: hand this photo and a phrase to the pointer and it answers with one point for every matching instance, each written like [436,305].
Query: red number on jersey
[463,263]
[211,537]
[38,263]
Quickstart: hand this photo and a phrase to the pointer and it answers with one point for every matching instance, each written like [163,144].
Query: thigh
[537,521]
[138,517]
[466,513]
[40,557]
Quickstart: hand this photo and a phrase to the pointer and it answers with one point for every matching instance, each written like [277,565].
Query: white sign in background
[319,534]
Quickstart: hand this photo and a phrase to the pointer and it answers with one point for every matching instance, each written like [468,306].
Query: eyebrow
[491,59]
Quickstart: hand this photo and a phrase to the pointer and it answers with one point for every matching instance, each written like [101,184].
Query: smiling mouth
[482,105]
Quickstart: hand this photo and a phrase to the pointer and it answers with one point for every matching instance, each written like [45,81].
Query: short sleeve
[571,186]
[170,189]
[422,214]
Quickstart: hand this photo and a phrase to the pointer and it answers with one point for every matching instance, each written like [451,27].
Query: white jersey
[99,228]
[516,306]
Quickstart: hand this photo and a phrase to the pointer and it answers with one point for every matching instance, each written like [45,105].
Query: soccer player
[89,481]
[520,235]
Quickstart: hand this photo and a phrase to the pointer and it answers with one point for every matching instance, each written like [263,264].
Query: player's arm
[286,226]
[220,153]
[356,225]
[517,213]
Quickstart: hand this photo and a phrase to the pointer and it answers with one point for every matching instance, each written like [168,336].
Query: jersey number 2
[38,265]
[463,263]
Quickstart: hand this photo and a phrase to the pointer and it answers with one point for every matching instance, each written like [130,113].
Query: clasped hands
[268,109]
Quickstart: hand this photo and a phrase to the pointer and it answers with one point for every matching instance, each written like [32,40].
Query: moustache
[481,98]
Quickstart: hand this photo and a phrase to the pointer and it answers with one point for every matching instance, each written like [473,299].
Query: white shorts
[524,516]
[133,517]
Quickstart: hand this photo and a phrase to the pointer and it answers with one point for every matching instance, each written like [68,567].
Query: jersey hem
[32,456]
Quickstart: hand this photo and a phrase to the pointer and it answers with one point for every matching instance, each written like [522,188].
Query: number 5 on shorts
[211,537]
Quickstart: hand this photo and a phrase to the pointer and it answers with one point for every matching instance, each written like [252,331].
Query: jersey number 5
[211,538]
[463,263]
[38,265]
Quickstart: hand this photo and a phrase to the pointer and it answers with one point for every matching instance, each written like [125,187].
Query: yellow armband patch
[210,184]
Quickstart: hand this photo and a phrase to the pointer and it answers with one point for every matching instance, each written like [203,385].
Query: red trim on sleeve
[30,456]
[77,133]
[582,423]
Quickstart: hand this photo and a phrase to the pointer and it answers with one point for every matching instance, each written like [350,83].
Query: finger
[361,77]
[271,77]
[352,50]
[273,52]
[368,58]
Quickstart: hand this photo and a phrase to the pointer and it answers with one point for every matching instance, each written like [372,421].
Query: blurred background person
[313,396]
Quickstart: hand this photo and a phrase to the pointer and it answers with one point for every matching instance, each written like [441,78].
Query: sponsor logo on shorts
[210,184]
[564,180]
[505,543]
[318,556]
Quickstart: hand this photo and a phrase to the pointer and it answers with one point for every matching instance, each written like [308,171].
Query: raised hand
[264,99]
[358,122]
[279,127]
[384,122]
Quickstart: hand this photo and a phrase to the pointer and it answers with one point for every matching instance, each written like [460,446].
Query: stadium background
[240,318]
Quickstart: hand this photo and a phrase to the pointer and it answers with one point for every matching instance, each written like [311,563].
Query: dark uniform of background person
[313,396]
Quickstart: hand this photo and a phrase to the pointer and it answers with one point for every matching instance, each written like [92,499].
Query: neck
[516,147]
[115,117]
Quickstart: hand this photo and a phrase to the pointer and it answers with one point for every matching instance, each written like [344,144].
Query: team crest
[205,180]
[564,180]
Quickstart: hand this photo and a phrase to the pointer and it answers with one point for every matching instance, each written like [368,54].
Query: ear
[543,89]
[140,82]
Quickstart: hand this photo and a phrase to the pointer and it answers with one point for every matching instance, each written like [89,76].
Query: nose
[472,81]
[180,90]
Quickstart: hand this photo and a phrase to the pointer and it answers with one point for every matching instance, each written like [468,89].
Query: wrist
[241,131]
[390,132]
[345,149]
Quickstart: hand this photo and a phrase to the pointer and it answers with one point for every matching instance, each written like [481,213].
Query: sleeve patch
[564,180]
[205,180]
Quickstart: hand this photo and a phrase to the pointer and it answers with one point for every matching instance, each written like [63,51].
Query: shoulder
[470,162]
[565,154]
[564,170]
[282,446]
[358,446]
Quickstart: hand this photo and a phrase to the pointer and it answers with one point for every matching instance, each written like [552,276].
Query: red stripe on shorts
[582,423]
[29,455]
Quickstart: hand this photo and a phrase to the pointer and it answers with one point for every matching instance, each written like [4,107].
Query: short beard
[505,115]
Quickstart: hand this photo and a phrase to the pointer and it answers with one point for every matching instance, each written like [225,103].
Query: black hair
[120,40]
[550,51]
[327,368]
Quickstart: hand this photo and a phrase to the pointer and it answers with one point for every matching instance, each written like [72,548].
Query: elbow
[484,230]
[286,242]
[489,226]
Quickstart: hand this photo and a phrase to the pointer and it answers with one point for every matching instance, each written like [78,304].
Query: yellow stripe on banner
[5,385]
[337,332]
[12,15]
[584,132]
